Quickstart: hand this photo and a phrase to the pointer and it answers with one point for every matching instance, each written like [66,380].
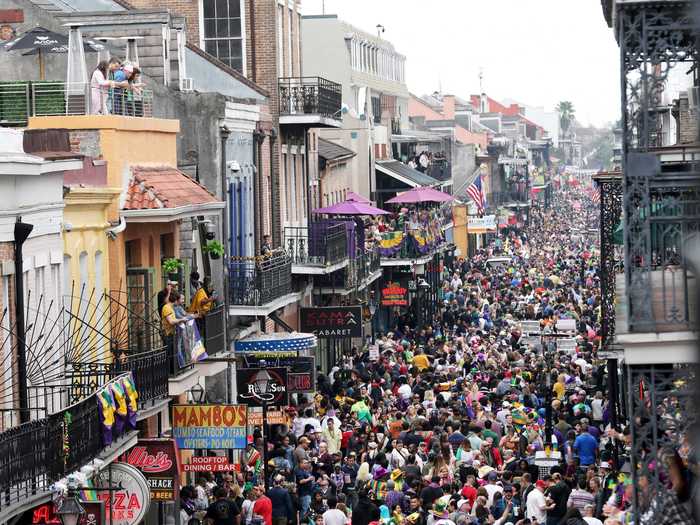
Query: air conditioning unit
[186,84]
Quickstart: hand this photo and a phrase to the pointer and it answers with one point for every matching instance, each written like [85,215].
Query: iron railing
[310,96]
[149,370]
[21,100]
[499,198]
[36,454]
[259,280]
[319,244]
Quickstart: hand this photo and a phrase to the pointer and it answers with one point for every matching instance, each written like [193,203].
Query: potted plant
[215,249]
[171,266]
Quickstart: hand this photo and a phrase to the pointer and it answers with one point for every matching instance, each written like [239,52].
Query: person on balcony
[169,319]
[266,248]
[202,302]
[99,89]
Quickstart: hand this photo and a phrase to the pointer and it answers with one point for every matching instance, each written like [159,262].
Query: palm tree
[567,114]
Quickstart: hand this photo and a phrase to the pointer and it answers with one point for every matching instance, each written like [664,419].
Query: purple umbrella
[351,208]
[356,197]
[422,194]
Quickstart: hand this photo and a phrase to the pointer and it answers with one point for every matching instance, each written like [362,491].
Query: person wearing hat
[439,514]
[537,505]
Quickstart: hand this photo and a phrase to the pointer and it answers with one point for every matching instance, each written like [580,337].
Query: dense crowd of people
[468,419]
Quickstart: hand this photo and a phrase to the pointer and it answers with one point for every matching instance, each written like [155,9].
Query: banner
[484,224]
[394,295]
[209,426]
[263,386]
[157,460]
[332,322]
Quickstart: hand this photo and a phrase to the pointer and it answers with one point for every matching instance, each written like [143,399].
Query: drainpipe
[224,134]
[274,179]
[22,231]
[258,138]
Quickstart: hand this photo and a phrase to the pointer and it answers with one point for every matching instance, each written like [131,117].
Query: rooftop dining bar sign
[210,426]
[394,295]
[332,321]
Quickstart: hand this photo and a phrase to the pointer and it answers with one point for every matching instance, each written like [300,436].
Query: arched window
[98,272]
[67,274]
[83,265]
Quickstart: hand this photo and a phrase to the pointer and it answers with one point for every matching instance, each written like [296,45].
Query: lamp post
[372,305]
[423,287]
[68,508]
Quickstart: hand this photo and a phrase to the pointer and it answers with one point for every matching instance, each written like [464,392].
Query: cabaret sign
[394,295]
[210,426]
[332,321]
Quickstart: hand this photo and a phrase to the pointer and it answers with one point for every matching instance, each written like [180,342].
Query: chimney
[448,107]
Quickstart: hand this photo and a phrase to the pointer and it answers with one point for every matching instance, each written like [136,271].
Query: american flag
[595,194]
[476,193]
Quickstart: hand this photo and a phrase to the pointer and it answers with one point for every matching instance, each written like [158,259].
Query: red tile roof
[158,187]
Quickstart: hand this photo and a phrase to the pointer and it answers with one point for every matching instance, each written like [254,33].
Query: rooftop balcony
[310,101]
[21,100]
[413,246]
[260,285]
[319,249]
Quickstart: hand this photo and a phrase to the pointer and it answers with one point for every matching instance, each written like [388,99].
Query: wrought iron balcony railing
[319,244]
[21,100]
[310,96]
[36,454]
[259,280]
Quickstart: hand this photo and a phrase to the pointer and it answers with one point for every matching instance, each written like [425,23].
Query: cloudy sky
[537,52]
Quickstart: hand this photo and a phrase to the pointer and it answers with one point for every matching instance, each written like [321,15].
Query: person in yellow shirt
[202,302]
[421,361]
[559,387]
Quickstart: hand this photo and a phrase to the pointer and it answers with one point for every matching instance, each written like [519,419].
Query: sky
[536,52]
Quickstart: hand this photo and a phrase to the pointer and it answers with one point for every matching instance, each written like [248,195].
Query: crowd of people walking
[471,418]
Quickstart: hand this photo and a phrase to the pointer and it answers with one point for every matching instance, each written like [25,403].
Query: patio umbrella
[422,194]
[351,208]
[41,41]
[356,197]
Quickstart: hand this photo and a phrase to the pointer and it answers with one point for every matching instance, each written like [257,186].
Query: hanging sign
[332,322]
[302,370]
[484,224]
[157,459]
[373,352]
[394,295]
[128,504]
[263,386]
[209,426]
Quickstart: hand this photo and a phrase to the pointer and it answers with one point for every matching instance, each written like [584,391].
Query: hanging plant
[215,249]
[171,266]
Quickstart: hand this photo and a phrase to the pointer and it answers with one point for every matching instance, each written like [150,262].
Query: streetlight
[197,394]
[68,508]
[423,287]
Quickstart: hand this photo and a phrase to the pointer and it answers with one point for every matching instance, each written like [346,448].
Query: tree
[567,114]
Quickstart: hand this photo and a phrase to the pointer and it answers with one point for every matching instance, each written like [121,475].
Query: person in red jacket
[263,505]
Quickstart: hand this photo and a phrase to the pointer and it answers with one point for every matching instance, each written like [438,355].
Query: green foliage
[214,248]
[16,104]
[567,115]
[172,265]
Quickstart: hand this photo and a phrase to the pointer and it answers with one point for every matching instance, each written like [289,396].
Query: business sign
[301,374]
[157,459]
[45,514]
[209,426]
[332,322]
[209,464]
[277,417]
[263,386]
[484,224]
[566,325]
[394,295]
[130,502]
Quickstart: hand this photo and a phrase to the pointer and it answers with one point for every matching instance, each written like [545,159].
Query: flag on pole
[476,193]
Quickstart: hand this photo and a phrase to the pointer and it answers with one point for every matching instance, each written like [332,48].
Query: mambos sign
[209,426]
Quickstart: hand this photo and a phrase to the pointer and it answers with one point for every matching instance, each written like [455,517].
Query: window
[223,34]
[83,265]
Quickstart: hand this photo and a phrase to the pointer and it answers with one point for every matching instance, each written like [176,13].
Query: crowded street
[349,262]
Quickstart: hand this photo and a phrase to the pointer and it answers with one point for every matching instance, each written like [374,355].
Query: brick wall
[187,8]
[688,122]
[86,142]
